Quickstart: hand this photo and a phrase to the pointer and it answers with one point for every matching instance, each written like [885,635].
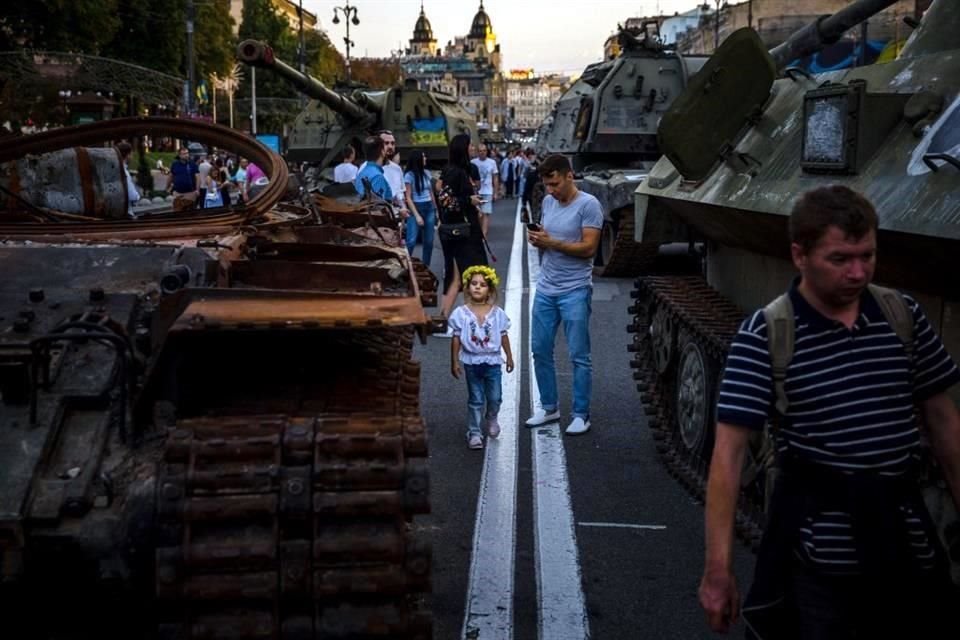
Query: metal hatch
[704,120]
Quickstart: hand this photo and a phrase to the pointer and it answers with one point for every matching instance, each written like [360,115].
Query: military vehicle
[417,118]
[606,123]
[740,146]
[209,421]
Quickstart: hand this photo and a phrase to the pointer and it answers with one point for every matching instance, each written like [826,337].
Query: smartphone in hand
[533,226]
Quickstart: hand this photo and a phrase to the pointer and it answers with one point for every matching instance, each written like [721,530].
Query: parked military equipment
[606,123]
[209,422]
[740,146]
[417,118]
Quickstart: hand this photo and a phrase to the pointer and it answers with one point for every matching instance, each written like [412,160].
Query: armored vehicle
[417,118]
[606,123]
[209,421]
[740,146]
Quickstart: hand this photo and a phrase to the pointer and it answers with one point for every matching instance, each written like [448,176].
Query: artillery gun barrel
[825,31]
[259,54]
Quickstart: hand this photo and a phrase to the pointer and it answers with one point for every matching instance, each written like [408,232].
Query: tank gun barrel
[825,30]
[259,54]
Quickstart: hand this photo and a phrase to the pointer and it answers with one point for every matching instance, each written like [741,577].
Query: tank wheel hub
[692,397]
[661,334]
[608,241]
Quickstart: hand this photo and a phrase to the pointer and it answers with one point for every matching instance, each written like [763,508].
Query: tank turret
[606,124]
[258,54]
[740,146]
[419,119]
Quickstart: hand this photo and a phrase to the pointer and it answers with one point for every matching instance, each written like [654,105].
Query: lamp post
[349,15]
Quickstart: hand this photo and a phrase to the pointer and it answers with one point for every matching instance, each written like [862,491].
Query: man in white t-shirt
[489,185]
[346,171]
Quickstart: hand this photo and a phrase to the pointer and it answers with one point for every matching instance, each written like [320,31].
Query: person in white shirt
[392,171]
[489,185]
[346,171]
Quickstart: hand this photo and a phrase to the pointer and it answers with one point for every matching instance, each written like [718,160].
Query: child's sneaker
[493,427]
[475,442]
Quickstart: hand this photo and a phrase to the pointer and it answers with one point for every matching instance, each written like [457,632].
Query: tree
[324,62]
[82,26]
[152,35]
[213,39]
[262,22]
[376,73]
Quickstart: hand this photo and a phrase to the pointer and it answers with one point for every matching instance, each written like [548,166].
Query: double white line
[561,611]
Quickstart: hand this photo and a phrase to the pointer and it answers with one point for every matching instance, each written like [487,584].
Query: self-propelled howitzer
[419,119]
[740,146]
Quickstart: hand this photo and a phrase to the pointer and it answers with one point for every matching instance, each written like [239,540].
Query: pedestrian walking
[459,231]
[420,201]
[479,343]
[372,170]
[181,182]
[133,195]
[488,187]
[842,368]
[568,239]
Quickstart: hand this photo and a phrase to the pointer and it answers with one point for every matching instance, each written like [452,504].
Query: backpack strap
[780,337]
[897,313]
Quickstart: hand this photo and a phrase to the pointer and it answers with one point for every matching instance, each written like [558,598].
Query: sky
[551,36]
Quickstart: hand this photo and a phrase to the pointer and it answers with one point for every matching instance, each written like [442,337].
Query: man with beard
[841,367]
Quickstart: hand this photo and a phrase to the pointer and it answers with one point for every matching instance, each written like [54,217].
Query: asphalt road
[638,536]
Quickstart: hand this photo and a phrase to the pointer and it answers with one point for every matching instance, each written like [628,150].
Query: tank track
[298,525]
[670,312]
[629,258]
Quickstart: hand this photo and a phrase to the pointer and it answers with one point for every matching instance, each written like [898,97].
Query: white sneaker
[446,334]
[475,442]
[578,426]
[540,417]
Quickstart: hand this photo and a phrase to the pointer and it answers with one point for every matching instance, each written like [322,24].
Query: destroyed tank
[209,420]
[606,124]
[740,146]
[419,119]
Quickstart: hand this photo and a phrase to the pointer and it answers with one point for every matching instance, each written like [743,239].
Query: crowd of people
[212,181]
[457,207]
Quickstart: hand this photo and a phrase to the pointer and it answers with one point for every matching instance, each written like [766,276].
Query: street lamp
[350,15]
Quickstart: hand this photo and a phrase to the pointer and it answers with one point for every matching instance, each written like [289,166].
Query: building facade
[530,98]
[467,67]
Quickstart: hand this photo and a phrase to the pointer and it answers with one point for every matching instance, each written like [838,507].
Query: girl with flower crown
[479,329]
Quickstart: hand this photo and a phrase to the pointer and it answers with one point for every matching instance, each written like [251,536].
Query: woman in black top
[459,254]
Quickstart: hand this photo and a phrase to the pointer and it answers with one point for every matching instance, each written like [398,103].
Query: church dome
[481,26]
[422,32]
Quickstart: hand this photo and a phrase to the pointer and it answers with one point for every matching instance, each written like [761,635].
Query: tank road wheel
[618,255]
[662,336]
[694,394]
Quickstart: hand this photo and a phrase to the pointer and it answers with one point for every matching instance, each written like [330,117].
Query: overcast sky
[552,36]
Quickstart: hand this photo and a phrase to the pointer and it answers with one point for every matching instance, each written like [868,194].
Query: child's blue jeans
[484,392]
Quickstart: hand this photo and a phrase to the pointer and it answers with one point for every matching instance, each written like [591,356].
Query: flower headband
[488,274]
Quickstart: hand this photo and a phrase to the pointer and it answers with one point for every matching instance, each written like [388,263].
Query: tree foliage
[83,26]
[376,73]
[262,22]
[152,35]
[213,39]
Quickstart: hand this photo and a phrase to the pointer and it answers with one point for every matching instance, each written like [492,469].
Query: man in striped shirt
[849,550]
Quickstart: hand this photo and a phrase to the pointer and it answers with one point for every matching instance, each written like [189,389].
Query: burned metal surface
[209,422]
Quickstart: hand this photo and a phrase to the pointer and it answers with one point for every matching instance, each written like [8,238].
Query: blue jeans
[573,309]
[483,392]
[429,214]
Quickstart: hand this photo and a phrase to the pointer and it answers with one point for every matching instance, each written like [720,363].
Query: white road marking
[489,609]
[620,525]
[561,610]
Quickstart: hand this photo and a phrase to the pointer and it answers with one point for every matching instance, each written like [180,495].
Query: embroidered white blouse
[479,343]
